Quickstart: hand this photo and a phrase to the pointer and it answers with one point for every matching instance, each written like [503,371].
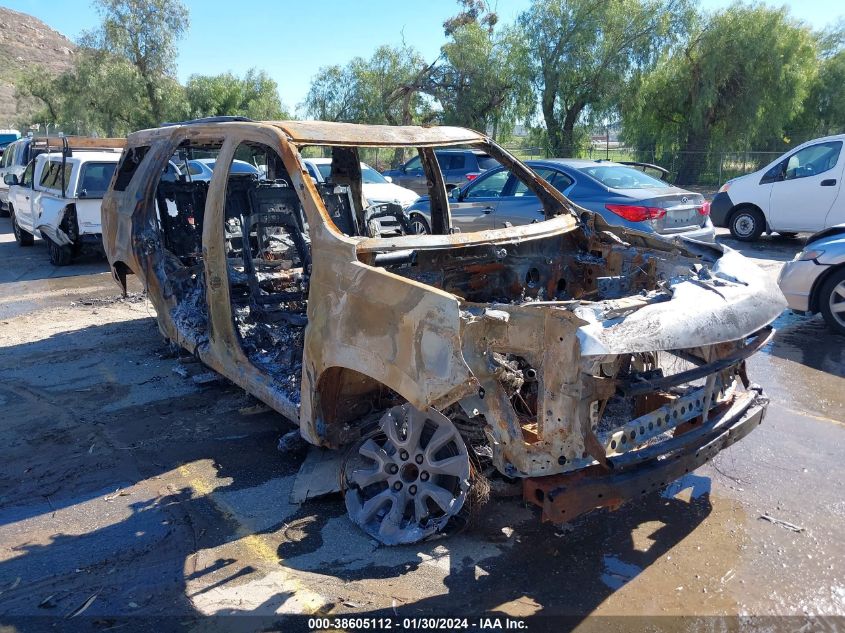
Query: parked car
[621,194]
[378,189]
[457,165]
[815,280]
[59,197]
[577,356]
[799,191]
[7,137]
[202,168]
[17,156]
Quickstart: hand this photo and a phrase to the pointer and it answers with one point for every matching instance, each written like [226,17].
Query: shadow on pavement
[65,457]
[30,263]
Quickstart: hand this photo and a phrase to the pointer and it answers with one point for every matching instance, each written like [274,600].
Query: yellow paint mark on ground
[812,416]
[311,602]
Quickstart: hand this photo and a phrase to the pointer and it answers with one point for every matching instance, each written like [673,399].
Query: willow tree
[582,54]
[741,77]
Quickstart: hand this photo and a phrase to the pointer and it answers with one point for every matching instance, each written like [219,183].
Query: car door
[804,194]
[24,198]
[473,208]
[411,176]
[519,205]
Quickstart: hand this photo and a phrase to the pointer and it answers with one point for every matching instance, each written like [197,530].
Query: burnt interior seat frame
[273,206]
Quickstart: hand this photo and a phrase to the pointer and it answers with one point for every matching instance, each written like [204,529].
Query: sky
[293,40]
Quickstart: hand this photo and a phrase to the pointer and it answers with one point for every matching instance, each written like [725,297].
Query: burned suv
[595,363]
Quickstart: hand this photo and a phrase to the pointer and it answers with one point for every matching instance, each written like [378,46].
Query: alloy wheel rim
[418,227]
[407,480]
[836,301]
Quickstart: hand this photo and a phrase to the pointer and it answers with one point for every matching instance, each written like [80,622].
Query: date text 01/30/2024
[423,624]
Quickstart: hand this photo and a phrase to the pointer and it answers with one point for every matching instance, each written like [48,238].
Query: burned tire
[59,255]
[832,301]
[408,479]
[747,224]
[23,238]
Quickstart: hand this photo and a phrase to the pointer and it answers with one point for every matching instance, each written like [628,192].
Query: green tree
[583,52]
[387,88]
[741,78]
[824,107]
[255,95]
[333,95]
[145,33]
[479,82]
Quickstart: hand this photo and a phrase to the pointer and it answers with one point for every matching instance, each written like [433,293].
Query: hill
[24,41]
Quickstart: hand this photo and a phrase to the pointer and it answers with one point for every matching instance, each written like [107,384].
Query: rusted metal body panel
[523,336]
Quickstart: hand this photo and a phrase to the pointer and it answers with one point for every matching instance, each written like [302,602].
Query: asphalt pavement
[128,492]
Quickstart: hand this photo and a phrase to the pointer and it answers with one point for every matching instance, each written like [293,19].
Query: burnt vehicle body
[593,362]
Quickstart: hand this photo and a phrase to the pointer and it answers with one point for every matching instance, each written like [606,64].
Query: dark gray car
[459,166]
[621,194]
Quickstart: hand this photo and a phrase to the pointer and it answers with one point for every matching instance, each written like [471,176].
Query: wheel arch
[745,205]
[820,281]
[343,395]
[748,205]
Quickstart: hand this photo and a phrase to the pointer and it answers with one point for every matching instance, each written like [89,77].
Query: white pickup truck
[58,197]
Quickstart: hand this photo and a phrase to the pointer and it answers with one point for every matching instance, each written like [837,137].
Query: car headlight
[804,256]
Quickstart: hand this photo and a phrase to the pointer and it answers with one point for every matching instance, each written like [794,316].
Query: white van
[800,191]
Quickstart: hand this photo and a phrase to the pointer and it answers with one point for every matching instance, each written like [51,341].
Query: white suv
[59,196]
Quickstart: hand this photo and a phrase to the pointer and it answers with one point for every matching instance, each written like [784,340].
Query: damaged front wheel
[406,481]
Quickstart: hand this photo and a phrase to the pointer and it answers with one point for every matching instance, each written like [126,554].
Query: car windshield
[95,179]
[369,176]
[622,177]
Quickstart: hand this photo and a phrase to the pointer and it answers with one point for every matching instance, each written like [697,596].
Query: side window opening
[180,210]
[268,253]
[129,162]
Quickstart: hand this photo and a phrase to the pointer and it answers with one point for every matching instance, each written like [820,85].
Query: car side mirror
[455,194]
[11,179]
[389,178]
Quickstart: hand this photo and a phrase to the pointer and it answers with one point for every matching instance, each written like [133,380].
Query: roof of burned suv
[338,134]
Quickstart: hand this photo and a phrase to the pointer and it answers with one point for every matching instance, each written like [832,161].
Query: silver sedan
[815,280]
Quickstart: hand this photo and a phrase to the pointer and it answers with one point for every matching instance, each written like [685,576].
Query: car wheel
[22,237]
[419,225]
[747,224]
[832,301]
[59,255]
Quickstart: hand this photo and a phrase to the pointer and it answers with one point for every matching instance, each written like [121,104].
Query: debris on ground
[206,378]
[782,523]
[255,409]
[78,610]
[318,476]
[292,442]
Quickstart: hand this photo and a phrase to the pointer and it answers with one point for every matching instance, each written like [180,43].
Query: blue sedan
[621,194]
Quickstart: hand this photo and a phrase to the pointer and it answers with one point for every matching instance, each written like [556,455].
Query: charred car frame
[593,362]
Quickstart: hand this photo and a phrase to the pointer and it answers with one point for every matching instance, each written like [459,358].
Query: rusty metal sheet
[360,135]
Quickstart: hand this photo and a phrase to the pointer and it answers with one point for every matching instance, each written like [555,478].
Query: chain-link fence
[699,169]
